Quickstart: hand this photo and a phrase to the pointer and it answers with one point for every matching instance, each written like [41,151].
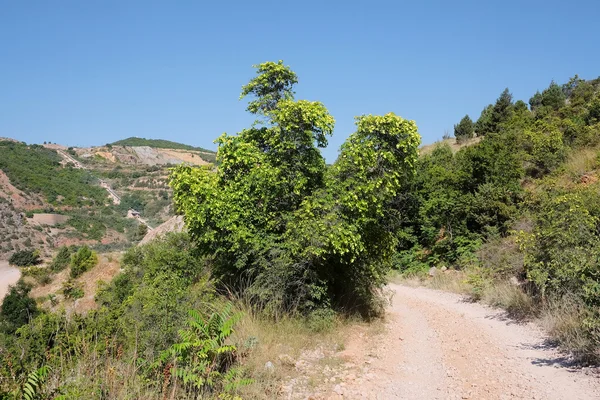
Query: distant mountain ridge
[158,143]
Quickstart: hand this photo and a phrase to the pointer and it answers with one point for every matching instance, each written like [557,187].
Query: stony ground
[435,345]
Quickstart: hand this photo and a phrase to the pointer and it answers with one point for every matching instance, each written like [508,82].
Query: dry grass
[510,297]
[426,149]
[564,320]
[582,162]
[291,347]
[451,281]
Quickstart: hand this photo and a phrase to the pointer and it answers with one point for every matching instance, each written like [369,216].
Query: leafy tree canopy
[274,217]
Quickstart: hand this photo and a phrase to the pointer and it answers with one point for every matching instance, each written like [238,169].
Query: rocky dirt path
[8,276]
[437,346]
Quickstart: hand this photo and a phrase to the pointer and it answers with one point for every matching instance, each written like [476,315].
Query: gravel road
[438,346]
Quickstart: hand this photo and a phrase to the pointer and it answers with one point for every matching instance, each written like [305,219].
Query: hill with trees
[157,143]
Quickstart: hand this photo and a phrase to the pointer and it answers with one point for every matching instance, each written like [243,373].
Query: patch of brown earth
[108,267]
[49,219]
[174,224]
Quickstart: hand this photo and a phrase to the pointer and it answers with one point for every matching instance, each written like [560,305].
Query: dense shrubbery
[61,260]
[515,187]
[25,258]
[280,225]
[139,327]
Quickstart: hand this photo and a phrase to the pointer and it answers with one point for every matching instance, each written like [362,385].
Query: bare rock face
[174,224]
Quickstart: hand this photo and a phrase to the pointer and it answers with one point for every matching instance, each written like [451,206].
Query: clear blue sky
[91,72]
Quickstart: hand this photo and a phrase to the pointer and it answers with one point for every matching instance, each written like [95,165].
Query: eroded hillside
[107,197]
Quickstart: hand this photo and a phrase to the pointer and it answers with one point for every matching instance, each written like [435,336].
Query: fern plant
[32,387]
[203,360]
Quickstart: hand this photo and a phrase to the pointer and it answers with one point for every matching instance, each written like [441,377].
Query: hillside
[157,143]
[53,195]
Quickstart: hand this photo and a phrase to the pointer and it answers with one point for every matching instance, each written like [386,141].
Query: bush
[204,359]
[25,258]
[82,261]
[61,260]
[72,289]
[17,308]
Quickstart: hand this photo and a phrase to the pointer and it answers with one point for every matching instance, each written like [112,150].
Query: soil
[8,276]
[49,219]
[436,345]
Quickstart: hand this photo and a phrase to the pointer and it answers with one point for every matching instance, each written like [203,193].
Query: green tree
[544,146]
[260,213]
[484,123]
[553,96]
[464,129]
[82,261]
[61,260]
[274,83]
[17,308]
[502,110]
[535,101]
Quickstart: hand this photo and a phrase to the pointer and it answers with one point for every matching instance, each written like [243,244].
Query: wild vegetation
[520,203]
[278,223]
[36,169]
[277,238]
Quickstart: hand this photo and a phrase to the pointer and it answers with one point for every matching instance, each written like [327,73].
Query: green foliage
[553,97]
[273,84]
[293,233]
[494,116]
[502,110]
[203,359]
[17,308]
[484,123]
[561,253]
[83,260]
[464,129]
[36,169]
[61,260]
[155,290]
[72,289]
[33,385]
[25,258]
[544,145]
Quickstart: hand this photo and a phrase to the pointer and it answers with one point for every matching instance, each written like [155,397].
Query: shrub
[72,289]
[82,261]
[24,258]
[17,308]
[61,260]
[203,360]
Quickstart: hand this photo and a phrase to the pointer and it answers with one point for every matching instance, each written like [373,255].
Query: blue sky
[91,72]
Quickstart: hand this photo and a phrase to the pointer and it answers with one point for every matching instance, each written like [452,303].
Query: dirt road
[8,276]
[437,346]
